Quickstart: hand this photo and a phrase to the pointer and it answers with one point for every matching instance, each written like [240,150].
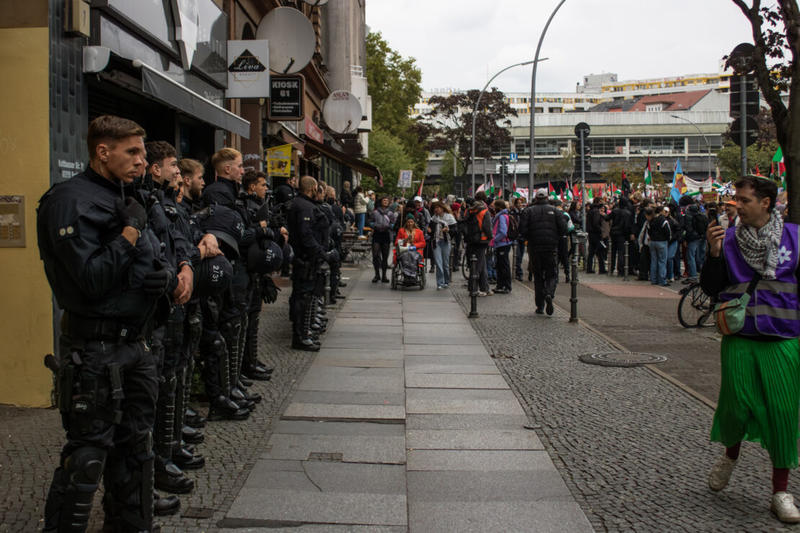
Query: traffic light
[744,87]
[587,157]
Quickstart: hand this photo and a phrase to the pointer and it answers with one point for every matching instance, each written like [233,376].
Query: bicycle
[694,307]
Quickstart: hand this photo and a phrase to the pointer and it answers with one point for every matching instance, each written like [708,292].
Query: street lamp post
[532,165]
[708,145]
[475,113]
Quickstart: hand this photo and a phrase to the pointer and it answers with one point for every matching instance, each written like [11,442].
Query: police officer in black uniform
[309,251]
[108,274]
[337,225]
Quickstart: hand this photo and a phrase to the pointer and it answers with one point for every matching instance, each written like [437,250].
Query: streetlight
[475,112]
[532,164]
[708,146]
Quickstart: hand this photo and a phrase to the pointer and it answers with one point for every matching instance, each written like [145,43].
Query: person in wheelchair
[409,252]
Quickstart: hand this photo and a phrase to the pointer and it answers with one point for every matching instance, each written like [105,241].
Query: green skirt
[759,397]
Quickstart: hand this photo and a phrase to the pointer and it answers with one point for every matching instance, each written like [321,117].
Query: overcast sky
[462,43]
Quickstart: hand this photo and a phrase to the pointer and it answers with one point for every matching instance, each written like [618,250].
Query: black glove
[266,233]
[131,213]
[332,257]
[158,282]
[269,291]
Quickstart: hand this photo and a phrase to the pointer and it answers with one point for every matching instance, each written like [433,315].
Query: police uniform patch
[67,231]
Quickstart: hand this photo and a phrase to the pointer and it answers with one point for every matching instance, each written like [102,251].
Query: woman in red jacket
[410,235]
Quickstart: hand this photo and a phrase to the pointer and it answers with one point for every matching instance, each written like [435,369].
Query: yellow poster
[279,161]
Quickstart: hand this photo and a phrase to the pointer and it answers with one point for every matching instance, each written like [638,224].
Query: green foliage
[758,154]
[558,169]
[395,86]
[634,171]
[386,151]
[448,162]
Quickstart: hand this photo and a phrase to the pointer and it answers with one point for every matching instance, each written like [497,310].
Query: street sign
[582,127]
[286,97]
[512,157]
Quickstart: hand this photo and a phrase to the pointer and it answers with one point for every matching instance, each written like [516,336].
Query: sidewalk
[403,422]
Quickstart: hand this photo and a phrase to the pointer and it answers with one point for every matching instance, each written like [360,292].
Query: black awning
[353,162]
[173,94]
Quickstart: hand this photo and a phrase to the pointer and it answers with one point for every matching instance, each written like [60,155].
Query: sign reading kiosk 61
[286,97]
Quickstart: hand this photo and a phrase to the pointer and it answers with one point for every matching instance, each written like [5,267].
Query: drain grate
[623,359]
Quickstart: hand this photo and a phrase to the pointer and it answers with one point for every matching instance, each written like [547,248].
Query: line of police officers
[153,278]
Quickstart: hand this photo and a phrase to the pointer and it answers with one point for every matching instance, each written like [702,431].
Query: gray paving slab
[357,362]
[427,349]
[368,322]
[461,486]
[367,329]
[425,368]
[465,421]
[350,397]
[508,517]
[454,401]
[440,338]
[366,352]
[305,528]
[351,379]
[472,439]
[435,359]
[434,328]
[353,449]
[444,318]
[456,381]
[332,477]
[318,411]
[327,508]
[306,427]
[336,340]
[479,460]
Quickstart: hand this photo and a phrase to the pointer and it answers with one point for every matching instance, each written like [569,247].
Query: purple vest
[774,308]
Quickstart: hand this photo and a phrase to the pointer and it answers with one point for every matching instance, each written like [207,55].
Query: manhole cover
[622,358]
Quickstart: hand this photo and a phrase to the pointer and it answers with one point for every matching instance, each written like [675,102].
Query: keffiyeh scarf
[760,246]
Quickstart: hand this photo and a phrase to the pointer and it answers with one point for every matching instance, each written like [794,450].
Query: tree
[559,169]
[451,168]
[759,154]
[776,60]
[394,85]
[448,126]
[386,151]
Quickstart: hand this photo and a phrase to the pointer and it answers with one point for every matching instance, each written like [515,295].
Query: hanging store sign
[313,131]
[279,161]
[248,74]
[286,97]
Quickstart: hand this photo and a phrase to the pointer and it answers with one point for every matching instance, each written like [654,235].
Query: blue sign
[512,157]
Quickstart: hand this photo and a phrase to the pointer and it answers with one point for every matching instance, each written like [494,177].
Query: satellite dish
[316,3]
[291,39]
[342,112]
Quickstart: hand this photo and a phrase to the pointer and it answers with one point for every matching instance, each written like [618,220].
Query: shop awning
[173,94]
[353,162]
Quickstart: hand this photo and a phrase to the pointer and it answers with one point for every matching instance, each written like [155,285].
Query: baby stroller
[409,267]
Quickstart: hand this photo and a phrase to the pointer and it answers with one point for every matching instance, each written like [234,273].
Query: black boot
[165,505]
[170,478]
[226,409]
[192,435]
[307,344]
[193,419]
[377,277]
[384,279]
[187,460]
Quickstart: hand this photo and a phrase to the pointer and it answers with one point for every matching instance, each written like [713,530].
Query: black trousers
[596,249]
[617,254]
[483,274]
[303,287]
[545,275]
[380,257]
[503,266]
[107,401]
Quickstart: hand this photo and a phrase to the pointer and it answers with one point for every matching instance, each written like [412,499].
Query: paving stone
[442,338]
[481,439]
[438,349]
[465,421]
[349,379]
[332,477]
[462,401]
[363,362]
[354,449]
[435,359]
[315,411]
[303,427]
[311,528]
[478,517]
[481,487]
[330,508]
[479,460]
[353,398]
[425,368]
[456,381]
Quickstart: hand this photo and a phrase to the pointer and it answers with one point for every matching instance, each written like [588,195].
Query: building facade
[165,65]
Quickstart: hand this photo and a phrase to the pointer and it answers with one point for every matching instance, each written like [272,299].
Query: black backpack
[473,232]
[700,223]
[513,227]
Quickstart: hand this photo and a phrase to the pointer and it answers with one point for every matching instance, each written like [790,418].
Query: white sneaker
[721,473]
[783,507]
[481,294]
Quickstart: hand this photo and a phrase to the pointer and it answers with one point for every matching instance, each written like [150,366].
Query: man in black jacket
[621,231]
[107,272]
[594,227]
[544,227]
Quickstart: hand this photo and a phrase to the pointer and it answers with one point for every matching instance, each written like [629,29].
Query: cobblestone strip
[31,440]
[632,447]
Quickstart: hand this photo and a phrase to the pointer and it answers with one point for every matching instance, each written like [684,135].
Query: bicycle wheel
[465,266]
[694,307]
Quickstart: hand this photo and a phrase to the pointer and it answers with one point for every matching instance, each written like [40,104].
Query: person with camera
[107,272]
[753,267]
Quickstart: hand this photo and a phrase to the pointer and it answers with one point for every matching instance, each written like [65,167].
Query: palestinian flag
[568,195]
[421,183]
[490,190]
[648,175]
[589,194]
[778,167]
[551,192]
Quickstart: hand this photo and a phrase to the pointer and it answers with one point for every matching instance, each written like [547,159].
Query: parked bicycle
[694,307]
